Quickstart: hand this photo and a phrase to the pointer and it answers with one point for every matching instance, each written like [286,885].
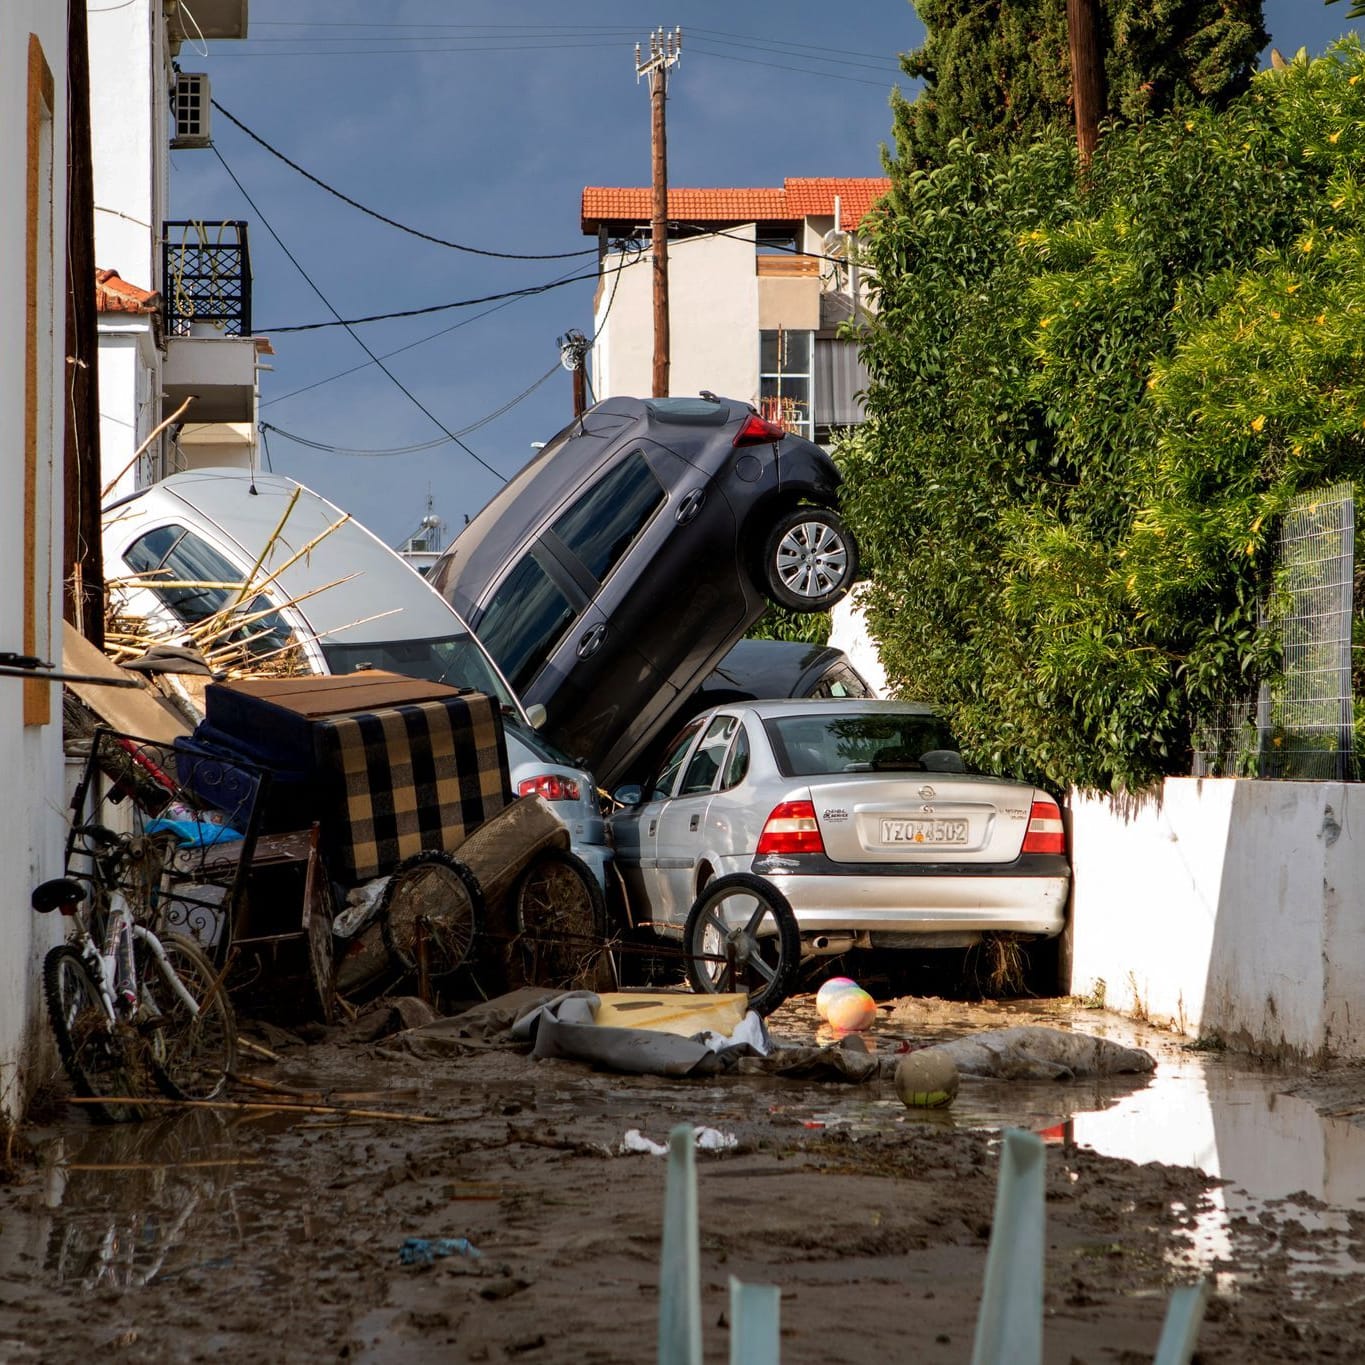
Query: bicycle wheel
[190,1054]
[434,900]
[92,1046]
[741,935]
[561,920]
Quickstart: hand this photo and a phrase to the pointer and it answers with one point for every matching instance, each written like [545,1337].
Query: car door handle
[689,506]
[694,822]
[653,825]
[592,642]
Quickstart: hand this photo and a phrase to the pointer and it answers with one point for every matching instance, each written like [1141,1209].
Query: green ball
[926,1079]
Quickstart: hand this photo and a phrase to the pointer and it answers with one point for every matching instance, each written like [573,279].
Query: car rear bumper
[1024,898]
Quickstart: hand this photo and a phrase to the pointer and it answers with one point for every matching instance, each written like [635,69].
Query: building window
[784,379]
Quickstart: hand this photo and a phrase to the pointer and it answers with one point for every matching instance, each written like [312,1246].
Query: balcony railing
[206,273]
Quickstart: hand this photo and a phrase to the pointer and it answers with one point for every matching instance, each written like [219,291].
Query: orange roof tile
[115,295]
[803,197]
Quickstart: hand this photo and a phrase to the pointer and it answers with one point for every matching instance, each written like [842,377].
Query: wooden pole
[1087,75]
[664,51]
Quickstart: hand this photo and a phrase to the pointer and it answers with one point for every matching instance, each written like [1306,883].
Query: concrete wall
[1227,908]
[32,829]
[713,321]
[129,83]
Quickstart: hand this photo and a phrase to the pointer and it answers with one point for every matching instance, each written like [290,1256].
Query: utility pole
[664,51]
[1087,75]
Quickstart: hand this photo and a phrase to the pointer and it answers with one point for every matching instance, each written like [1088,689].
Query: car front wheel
[809,560]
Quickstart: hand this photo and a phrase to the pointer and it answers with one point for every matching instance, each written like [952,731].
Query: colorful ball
[850,1011]
[926,1079]
[834,986]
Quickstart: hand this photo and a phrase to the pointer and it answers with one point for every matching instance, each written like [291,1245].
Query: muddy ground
[265,1235]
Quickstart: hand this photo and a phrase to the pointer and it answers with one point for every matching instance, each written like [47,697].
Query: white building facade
[33,236]
[177,324]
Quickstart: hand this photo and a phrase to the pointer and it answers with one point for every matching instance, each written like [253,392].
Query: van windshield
[456,660]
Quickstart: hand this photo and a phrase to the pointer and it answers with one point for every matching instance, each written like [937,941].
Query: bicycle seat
[62,893]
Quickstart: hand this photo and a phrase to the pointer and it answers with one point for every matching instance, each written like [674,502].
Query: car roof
[770,668]
[245,509]
[841,706]
[481,550]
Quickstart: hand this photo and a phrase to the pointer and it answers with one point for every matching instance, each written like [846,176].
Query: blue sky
[483,129]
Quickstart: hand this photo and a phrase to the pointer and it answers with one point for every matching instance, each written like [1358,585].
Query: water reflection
[128,1204]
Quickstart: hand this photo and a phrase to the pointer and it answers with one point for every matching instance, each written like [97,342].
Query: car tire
[770,959]
[810,560]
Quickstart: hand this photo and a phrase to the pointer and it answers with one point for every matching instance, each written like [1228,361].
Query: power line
[527,292]
[388,355]
[393,222]
[416,402]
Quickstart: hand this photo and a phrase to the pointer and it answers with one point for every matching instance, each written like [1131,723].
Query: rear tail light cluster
[549,785]
[791,828]
[1045,833]
[758,431]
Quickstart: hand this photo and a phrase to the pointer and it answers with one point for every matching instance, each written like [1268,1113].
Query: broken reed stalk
[138,453]
[294,558]
[257,1050]
[229,618]
[143,1101]
[274,536]
[319,635]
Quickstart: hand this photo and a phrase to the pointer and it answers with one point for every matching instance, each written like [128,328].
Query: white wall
[129,141]
[849,632]
[32,829]
[1228,908]
[713,321]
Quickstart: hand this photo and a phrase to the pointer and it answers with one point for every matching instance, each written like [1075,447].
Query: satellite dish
[835,243]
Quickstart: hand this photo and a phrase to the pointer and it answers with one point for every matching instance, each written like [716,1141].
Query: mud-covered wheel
[94,1050]
[561,922]
[741,935]
[810,560]
[432,906]
[192,1051]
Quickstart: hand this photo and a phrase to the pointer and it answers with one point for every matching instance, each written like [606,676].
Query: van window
[601,525]
[455,660]
[840,682]
[205,585]
[523,622]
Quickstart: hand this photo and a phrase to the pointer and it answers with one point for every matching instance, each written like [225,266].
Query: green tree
[1088,406]
[999,70]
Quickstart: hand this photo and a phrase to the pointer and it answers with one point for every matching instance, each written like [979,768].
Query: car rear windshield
[807,745]
[455,660]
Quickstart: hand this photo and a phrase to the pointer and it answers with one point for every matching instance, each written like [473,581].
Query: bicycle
[131,1010]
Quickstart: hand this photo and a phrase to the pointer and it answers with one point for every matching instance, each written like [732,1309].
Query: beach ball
[834,986]
[850,1011]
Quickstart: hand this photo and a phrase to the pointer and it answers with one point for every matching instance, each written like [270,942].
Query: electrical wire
[393,222]
[421,445]
[527,292]
[398,384]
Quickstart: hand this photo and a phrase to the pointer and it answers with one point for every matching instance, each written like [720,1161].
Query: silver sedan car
[861,813]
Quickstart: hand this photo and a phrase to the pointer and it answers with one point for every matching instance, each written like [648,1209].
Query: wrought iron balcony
[206,274]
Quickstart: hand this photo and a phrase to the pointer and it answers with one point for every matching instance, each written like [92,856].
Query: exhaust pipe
[829,945]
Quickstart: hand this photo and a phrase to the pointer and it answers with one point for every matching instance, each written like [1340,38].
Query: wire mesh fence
[1301,723]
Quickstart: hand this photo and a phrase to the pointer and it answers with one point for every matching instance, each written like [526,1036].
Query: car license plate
[924,831]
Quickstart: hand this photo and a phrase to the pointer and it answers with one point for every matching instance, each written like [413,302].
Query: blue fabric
[196,833]
[423,1250]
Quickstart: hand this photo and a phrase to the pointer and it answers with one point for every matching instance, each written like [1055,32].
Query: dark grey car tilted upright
[613,572]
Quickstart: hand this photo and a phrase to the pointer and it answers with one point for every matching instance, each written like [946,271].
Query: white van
[332,593]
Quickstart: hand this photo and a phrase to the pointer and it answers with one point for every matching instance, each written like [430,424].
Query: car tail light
[1045,833]
[758,431]
[791,828]
[549,785]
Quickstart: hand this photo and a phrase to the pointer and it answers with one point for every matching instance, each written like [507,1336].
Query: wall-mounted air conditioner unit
[190,106]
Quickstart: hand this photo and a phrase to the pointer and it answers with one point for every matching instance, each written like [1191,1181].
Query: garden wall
[1227,909]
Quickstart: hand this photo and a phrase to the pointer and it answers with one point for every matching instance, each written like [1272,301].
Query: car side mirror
[629,795]
[535,713]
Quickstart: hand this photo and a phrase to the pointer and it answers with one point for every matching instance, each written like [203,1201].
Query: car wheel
[742,935]
[809,560]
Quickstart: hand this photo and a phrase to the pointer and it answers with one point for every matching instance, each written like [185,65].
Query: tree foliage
[999,70]
[1089,404]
